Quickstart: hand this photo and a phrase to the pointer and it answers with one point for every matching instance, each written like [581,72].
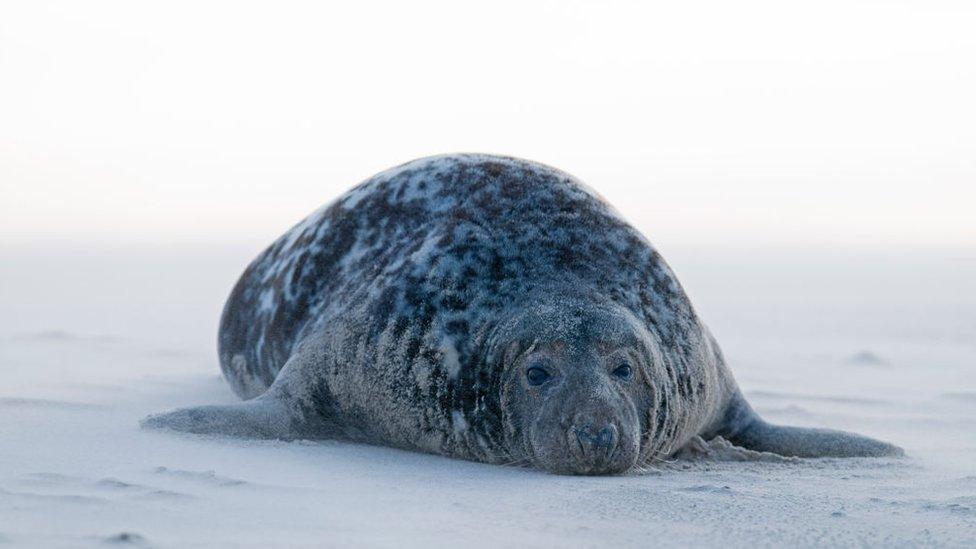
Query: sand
[92,340]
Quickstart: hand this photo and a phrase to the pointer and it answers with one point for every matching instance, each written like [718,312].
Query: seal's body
[486,308]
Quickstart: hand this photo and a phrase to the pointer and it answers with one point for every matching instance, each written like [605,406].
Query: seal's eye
[624,371]
[537,375]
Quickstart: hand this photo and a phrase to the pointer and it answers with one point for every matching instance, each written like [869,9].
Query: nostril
[604,438]
[584,437]
[607,436]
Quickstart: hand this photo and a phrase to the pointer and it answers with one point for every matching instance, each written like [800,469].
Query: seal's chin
[585,452]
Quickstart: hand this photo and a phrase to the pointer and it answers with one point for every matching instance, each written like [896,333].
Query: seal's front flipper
[290,409]
[746,429]
[805,442]
[263,417]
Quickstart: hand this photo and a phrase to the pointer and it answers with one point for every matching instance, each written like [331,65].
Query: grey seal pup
[485,308]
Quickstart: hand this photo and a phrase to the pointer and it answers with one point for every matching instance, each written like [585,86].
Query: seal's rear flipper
[258,418]
[746,429]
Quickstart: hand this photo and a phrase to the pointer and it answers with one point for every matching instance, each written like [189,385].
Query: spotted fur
[395,295]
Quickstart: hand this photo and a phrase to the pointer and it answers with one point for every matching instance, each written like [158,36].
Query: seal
[485,308]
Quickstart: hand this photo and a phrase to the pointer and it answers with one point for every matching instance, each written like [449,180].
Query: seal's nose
[597,444]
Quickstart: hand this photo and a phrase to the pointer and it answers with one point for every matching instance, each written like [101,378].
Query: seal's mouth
[587,450]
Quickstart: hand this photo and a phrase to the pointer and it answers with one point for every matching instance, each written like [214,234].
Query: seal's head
[576,388]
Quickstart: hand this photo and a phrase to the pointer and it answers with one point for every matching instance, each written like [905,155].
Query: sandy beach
[94,340]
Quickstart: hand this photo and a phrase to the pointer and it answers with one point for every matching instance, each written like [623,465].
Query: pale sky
[845,123]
